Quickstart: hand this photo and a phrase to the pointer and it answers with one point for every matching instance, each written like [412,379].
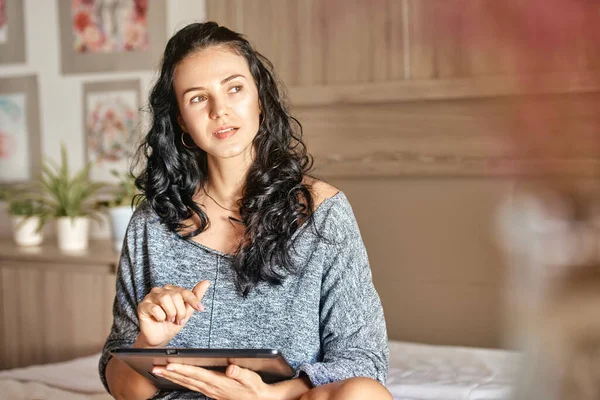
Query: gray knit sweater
[327,320]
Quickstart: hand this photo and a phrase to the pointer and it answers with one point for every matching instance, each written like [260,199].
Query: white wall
[60,96]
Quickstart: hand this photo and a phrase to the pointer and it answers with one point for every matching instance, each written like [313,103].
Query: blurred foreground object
[551,225]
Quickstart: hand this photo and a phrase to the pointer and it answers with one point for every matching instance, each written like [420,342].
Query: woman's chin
[233,151]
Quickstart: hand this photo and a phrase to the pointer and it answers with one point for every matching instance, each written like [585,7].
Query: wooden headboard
[409,112]
[434,255]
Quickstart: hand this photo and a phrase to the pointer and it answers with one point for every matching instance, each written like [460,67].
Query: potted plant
[69,200]
[120,208]
[28,216]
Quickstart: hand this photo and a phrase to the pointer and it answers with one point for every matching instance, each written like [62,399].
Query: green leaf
[67,196]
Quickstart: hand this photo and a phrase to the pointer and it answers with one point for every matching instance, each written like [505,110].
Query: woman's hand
[235,384]
[165,311]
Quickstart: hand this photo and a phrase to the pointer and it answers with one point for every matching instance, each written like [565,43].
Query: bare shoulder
[320,190]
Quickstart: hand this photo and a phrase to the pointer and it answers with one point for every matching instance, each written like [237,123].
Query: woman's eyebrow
[224,81]
[232,77]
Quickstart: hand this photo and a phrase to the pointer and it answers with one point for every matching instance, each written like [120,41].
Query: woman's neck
[226,180]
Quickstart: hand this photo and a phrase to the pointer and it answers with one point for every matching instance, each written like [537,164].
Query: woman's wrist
[292,389]
[125,382]
[142,343]
[269,392]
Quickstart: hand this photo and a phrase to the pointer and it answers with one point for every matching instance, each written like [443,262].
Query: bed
[417,372]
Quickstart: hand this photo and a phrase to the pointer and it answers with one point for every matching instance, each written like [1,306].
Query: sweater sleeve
[352,324]
[125,327]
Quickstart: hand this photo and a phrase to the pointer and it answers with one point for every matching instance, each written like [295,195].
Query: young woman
[236,246]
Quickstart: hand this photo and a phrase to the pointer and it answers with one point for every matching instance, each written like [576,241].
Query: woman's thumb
[200,289]
[241,375]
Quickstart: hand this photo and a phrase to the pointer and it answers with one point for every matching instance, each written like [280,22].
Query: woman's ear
[181,123]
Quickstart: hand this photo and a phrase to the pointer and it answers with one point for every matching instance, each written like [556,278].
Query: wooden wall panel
[467,38]
[54,306]
[224,12]
[23,343]
[452,314]
[284,40]
[364,41]
[52,315]
[443,42]
[258,25]
[313,42]
[10,326]
[439,271]
[429,87]
[462,137]
[3,318]
[54,336]
[265,27]
[345,38]
[397,12]
[309,45]
[335,42]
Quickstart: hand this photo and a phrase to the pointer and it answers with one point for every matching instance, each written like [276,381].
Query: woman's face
[218,102]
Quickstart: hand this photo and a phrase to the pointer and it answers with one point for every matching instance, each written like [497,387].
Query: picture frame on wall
[12,32]
[111,35]
[111,119]
[20,143]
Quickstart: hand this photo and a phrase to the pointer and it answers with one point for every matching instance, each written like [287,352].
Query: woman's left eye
[235,89]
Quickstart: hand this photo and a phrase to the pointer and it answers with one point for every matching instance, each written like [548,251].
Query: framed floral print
[20,149]
[111,35]
[111,125]
[12,32]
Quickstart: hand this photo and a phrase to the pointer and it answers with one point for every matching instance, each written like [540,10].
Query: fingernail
[182,322]
[157,371]
[200,307]
[170,368]
[172,320]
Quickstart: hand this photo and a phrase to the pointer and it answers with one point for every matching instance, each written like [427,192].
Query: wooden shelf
[492,167]
[100,254]
[445,89]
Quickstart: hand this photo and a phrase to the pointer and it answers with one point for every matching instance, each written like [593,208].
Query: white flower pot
[72,233]
[119,220]
[24,231]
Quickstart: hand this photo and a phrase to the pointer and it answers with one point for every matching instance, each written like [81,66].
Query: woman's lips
[225,133]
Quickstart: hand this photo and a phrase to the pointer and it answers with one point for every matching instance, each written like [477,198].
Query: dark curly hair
[276,201]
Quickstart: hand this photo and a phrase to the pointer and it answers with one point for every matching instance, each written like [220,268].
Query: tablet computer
[268,363]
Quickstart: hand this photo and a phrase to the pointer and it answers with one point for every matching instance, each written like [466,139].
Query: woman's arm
[290,390]
[125,383]
[119,379]
[353,329]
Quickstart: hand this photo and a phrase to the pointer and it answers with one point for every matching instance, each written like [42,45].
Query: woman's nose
[218,107]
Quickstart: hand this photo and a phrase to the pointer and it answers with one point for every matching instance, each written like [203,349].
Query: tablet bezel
[270,364]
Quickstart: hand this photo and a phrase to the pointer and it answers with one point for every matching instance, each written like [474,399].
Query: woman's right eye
[197,99]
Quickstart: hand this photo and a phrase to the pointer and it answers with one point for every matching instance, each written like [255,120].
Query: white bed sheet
[71,380]
[417,372]
[426,372]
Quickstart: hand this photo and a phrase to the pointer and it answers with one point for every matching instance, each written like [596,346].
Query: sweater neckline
[319,209]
